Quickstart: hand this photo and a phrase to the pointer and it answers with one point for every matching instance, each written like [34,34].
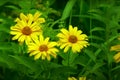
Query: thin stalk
[90,22]
[70,18]
[109,65]
[55,22]
[84,69]
[68,57]
[81,6]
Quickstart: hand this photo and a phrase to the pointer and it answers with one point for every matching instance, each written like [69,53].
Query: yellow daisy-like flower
[116,56]
[42,48]
[82,78]
[27,28]
[30,17]
[73,78]
[115,48]
[72,38]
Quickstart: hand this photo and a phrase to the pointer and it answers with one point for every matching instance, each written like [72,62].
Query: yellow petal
[36,15]
[41,38]
[52,44]
[70,29]
[82,78]
[75,48]
[17,36]
[66,48]
[43,57]
[33,48]
[33,25]
[34,37]
[48,57]
[75,31]
[72,78]
[37,56]
[28,39]
[60,35]
[53,50]
[46,40]
[23,17]
[41,20]
[17,20]
[79,32]
[117,57]
[63,45]
[22,38]
[14,32]
[44,53]
[115,48]
[30,19]
[34,53]
[64,31]
[82,37]
[54,55]
[83,43]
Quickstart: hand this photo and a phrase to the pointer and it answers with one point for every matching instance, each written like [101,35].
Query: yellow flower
[72,38]
[115,48]
[27,28]
[72,78]
[42,48]
[82,78]
[116,56]
[30,17]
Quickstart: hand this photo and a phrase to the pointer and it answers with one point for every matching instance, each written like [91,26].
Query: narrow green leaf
[7,61]
[13,7]
[96,66]
[25,62]
[5,46]
[95,37]
[90,54]
[95,45]
[68,9]
[97,29]
[117,67]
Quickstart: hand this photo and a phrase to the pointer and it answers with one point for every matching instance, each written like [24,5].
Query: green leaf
[6,61]
[97,65]
[68,9]
[69,58]
[25,5]
[82,59]
[5,46]
[95,37]
[26,62]
[4,29]
[97,51]
[97,29]
[2,2]
[95,45]
[115,68]
[13,7]
[90,54]
[98,75]
[98,17]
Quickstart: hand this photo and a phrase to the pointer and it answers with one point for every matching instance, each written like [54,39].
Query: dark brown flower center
[26,30]
[72,39]
[43,48]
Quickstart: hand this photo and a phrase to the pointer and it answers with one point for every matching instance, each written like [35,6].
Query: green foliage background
[99,19]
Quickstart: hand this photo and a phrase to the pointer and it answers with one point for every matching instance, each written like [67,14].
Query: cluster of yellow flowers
[116,56]
[28,29]
[73,78]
